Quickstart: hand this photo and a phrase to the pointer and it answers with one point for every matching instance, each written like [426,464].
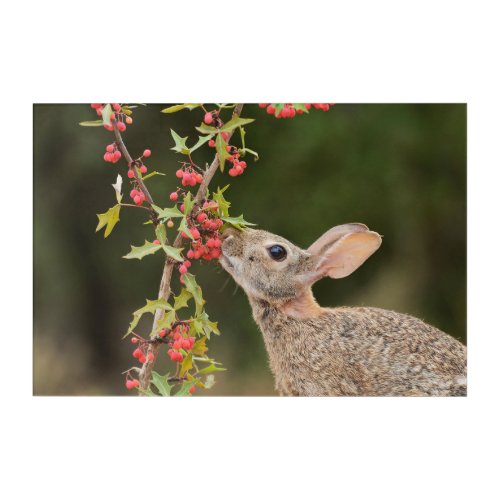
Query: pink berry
[156,242]
[133,193]
[179,173]
[137,199]
[147,153]
[151,356]
[174,196]
[201,217]
[121,126]
[183,269]
[130,173]
[110,148]
[271,109]
[187,264]
[143,169]
[138,353]
[195,233]
[130,384]
[190,254]
[134,340]
[117,155]
[225,136]
[208,118]
[142,359]
[191,389]
[116,107]
[211,143]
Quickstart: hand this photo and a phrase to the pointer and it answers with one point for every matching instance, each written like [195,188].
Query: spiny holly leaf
[161,383]
[204,326]
[92,123]
[206,129]
[150,307]
[211,368]
[223,204]
[180,143]
[184,390]
[161,233]
[200,347]
[237,222]
[187,364]
[201,140]
[165,322]
[108,219]
[300,106]
[151,174]
[139,252]
[182,299]
[195,290]
[235,122]
[106,114]
[188,204]
[220,146]
[178,107]
[173,252]
[167,213]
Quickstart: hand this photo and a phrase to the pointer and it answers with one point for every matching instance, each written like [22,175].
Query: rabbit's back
[361,351]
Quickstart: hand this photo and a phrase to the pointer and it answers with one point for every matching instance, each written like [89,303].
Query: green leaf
[150,307]
[279,107]
[165,322]
[188,204]
[203,326]
[206,129]
[184,390]
[182,299]
[152,174]
[235,122]
[187,364]
[223,204]
[178,107]
[180,143]
[108,219]
[92,123]
[161,233]
[202,139]
[251,151]
[237,222]
[167,213]
[147,392]
[200,347]
[300,106]
[173,252]
[211,368]
[161,383]
[194,289]
[139,252]
[106,114]
[220,146]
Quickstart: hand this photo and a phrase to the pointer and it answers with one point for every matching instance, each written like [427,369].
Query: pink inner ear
[334,234]
[348,253]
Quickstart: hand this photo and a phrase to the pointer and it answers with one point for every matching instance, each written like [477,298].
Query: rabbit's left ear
[340,251]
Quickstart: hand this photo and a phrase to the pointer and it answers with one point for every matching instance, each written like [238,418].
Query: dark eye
[277,252]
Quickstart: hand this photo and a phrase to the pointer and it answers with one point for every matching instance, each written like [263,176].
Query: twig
[164,292]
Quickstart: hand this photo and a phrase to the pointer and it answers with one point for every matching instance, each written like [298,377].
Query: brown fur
[316,351]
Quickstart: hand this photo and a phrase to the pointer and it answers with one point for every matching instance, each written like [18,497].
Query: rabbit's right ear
[341,250]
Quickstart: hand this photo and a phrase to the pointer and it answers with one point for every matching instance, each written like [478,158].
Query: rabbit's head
[270,268]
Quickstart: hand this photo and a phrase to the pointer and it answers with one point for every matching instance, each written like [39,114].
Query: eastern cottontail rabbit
[317,351]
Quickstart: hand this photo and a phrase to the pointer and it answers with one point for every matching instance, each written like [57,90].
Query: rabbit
[342,351]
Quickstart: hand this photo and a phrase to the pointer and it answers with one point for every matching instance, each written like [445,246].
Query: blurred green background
[399,168]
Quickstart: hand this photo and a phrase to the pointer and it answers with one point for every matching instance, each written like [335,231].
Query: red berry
[116,107]
[271,109]
[163,333]
[262,105]
[130,384]
[232,172]
[191,389]
[130,173]
[208,118]
[147,153]
[211,143]
[121,126]
[199,178]
[187,263]
[142,359]
[137,199]
[117,155]
[174,196]
[195,233]
[134,340]
[179,173]
[215,253]
[110,148]
[225,136]
[186,344]
[143,169]
[133,193]
[190,254]
[202,217]
[108,157]
[151,356]
[96,106]
[183,269]
[156,242]
[138,353]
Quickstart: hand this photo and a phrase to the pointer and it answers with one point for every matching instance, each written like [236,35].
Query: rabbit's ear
[347,254]
[334,234]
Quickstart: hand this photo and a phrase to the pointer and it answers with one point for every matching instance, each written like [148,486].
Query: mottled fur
[316,351]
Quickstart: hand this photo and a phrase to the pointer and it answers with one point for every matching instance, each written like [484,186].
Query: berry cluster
[122,120]
[132,383]
[188,175]
[238,166]
[289,110]
[179,342]
[112,154]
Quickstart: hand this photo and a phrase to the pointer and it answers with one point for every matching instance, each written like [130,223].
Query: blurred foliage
[400,169]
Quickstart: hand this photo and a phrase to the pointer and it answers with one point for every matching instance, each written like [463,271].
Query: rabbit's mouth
[226,262]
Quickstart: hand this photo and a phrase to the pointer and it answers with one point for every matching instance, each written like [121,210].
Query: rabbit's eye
[277,252]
